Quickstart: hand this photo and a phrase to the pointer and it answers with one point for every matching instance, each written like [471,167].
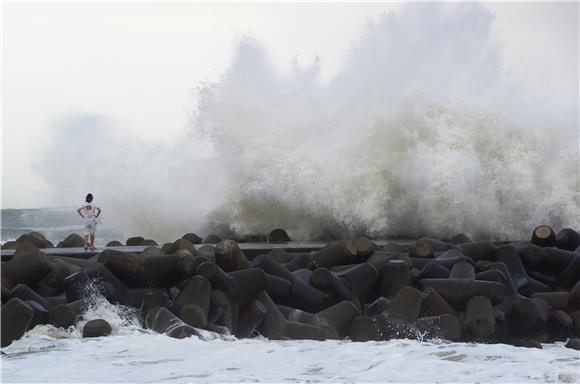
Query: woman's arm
[98,212]
[80,214]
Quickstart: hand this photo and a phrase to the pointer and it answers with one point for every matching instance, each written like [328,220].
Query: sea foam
[422,132]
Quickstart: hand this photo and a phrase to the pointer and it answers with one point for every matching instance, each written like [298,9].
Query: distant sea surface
[54,223]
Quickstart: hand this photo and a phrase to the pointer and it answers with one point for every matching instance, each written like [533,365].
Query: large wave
[421,133]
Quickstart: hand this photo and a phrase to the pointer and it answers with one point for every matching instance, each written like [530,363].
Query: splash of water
[421,133]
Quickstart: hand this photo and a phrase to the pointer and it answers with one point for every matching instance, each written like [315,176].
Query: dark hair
[89,198]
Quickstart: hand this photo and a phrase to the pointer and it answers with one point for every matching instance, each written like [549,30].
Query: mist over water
[422,133]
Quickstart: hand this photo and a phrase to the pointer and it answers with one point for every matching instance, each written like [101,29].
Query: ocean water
[54,223]
[132,354]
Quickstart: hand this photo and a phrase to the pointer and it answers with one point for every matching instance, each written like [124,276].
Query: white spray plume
[421,133]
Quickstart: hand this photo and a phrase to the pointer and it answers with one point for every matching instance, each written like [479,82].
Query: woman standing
[89,211]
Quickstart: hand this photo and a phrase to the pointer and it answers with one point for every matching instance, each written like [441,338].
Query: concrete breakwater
[523,293]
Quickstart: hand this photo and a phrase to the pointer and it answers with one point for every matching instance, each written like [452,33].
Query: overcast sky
[140,63]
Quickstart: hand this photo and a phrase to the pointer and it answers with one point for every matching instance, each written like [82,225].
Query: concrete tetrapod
[137,270]
[16,315]
[377,306]
[97,328]
[406,305]
[27,266]
[161,320]
[458,292]
[153,299]
[65,315]
[230,257]
[251,316]
[479,317]
[39,314]
[302,295]
[278,235]
[197,291]
[395,276]
[435,305]
[24,293]
[544,236]
[360,279]
[338,253]
[297,315]
[445,327]
[106,282]
[299,261]
[568,239]
[548,260]
[434,270]
[478,250]
[328,282]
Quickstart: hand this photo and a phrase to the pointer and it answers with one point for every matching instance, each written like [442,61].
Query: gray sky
[140,63]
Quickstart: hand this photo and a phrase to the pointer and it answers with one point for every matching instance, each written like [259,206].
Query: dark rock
[161,320]
[574,300]
[378,306]
[298,261]
[34,238]
[24,293]
[458,292]
[16,316]
[435,305]
[338,253]
[396,275]
[406,305]
[230,257]
[195,239]
[544,236]
[169,248]
[193,315]
[478,250]
[445,327]
[153,299]
[556,300]
[97,328]
[461,238]
[40,314]
[133,241]
[574,344]
[148,242]
[568,239]
[434,270]
[479,317]
[211,239]
[278,236]
[186,245]
[65,315]
[251,316]
[152,251]
[197,291]
[72,241]
[9,245]
[77,286]
[26,267]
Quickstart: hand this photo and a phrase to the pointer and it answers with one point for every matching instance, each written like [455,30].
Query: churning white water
[131,354]
[422,132]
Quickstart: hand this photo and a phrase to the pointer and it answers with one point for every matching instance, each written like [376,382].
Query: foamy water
[422,132]
[138,357]
[131,354]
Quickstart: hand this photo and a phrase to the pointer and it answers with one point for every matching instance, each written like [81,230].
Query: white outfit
[89,212]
